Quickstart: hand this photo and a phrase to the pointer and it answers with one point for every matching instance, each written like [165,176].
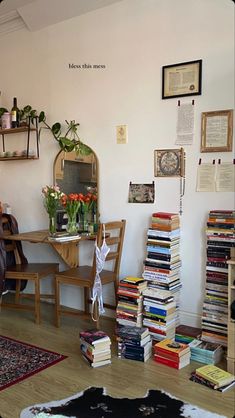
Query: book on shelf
[64,237]
[215,375]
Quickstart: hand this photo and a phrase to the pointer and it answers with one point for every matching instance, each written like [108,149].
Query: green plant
[2,110]
[69,140]
[66,137]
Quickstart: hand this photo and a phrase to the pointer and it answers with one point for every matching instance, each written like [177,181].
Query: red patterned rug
[19,360]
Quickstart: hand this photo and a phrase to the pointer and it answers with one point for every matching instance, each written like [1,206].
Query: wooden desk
[68,250]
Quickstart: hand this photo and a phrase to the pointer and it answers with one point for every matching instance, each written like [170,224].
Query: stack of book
[95,347]
[213,377]
[134,343]
[162,264]
[172,354]
[220,239]
[130,301]
[186,333]
[206,352]
[159,313]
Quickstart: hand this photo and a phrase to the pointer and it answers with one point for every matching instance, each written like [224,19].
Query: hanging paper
[225,177]
[185,124]
[206,177]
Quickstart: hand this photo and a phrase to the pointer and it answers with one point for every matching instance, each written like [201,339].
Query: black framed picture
[183,79]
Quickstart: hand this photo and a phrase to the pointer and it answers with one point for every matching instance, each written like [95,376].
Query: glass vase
[71,226]
[84,223]
[52,225]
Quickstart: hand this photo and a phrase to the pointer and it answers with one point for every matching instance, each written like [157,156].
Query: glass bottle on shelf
[14,114]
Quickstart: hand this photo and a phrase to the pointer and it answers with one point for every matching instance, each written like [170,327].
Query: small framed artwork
[169,163]
[183,79]
[217,131]
[141,193]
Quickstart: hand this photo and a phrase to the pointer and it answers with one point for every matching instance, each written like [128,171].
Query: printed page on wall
[185,124]
[206,177]
[225,177]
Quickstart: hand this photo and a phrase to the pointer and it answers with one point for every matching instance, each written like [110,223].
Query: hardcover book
[94,336]
[132,333]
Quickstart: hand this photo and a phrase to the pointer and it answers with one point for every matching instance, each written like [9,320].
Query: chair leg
[96,315]
[37,301]
[17,292]
[115,292]
[57,302]
[86,300]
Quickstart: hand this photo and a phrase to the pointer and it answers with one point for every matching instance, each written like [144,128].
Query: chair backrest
[13,249]
[114,237]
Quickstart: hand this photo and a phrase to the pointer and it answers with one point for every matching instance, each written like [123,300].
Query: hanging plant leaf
[66,144]
[84,149]
[56,129]
[41,117]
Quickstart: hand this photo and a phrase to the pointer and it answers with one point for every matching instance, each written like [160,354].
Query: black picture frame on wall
[183,79]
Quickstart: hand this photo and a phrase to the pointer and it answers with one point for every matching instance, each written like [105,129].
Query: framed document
[217,131]
[169,163]
[182,79]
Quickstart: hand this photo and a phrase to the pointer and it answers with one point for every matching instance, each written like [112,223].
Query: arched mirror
[77,173]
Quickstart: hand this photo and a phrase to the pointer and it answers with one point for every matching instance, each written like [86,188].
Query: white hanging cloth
[97,296]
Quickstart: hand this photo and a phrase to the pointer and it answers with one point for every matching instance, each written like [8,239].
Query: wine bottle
[14,114]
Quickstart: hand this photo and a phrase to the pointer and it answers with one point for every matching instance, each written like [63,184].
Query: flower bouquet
[71,204]
[88,210]
[52,196]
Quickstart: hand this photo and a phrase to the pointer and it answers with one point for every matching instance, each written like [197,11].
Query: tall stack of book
[130,301]
[95,347]
[205,352]
[162,264]
[213,377]
[159,313]
[220,234]
[134,343]
[172,354]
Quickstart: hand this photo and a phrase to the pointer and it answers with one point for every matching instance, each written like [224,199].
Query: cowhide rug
[94,403]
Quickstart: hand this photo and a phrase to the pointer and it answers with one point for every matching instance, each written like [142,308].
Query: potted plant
[67,137]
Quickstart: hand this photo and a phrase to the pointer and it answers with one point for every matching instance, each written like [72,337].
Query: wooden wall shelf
[18,158]
[27,129]
[16,130]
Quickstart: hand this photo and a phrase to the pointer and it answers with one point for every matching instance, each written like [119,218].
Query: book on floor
[94,336]
[169,345]
[202,381]
[215,375]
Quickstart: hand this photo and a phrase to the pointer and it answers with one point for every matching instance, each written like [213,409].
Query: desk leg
[68,251]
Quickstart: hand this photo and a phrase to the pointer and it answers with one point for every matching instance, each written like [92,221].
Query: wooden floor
[121,378]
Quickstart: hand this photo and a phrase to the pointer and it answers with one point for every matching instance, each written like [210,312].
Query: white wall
[133,39]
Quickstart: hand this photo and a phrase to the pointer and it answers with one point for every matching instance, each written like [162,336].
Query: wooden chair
[18,271]
[84,276]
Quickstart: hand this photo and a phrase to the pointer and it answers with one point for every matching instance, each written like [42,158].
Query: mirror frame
[80,158]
